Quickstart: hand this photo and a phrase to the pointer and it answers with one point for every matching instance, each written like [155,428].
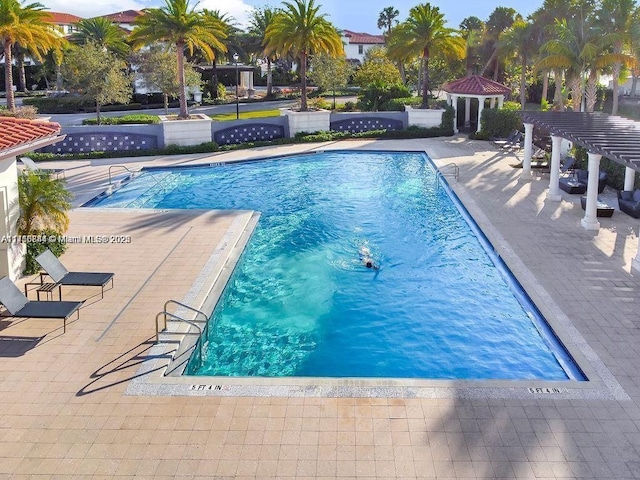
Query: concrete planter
[425,118]
[194,131]
[312,121]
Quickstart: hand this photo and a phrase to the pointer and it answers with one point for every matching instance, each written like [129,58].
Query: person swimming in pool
[366,259]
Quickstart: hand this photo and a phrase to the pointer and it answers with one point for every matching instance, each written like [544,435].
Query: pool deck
[75,405]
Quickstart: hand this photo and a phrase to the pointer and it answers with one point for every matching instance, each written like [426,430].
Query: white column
[454,99]
[467,111]
[590,220]
[492,104]
[635,262]
[629,178]
[448,99]
[500,101]
[528,142]
[554,191]
[480,108]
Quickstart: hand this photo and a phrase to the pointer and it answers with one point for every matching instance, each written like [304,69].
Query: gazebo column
[554,190]
[500,101]
[454,99]
[629,178]
[467,111]
[528,142]
[448,99]
[480,108]
[590,220]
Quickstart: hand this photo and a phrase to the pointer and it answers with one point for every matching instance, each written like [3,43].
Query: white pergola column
[454,99]
[528,143]
[467,111]
[635,262]
[480,108]
[500,101]
[448,99]
[554,189]
[590,220]
[629,178]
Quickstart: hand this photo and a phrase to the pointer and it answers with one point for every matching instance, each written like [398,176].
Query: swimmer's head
[369,264]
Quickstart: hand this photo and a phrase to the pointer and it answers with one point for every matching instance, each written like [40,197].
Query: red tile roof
[126,16]
[62,18]
[476,85]
[15,132]
[366,38]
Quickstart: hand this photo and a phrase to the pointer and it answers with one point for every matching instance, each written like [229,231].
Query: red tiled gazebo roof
[475,85]
[18,132]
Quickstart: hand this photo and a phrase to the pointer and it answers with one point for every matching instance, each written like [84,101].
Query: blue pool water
[301,302]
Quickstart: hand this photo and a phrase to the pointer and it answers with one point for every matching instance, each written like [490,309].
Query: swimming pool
[301,302]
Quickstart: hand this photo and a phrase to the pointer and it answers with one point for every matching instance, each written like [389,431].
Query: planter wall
[425,118]
[107,138]
[194,131]
[355,122]
[252,130]
[309,122]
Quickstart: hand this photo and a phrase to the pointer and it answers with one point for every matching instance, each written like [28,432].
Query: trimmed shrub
[397,104]
[59,104]
[140,119]
[500,122]
[375,96]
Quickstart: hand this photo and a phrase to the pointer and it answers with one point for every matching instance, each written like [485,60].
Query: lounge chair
[61,276]
[502,140]
[31,165]
[629,202]
[19,306]
[515,142]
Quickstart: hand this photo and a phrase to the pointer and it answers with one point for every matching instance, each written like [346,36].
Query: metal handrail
[456,170]
[132,172]
[188,307]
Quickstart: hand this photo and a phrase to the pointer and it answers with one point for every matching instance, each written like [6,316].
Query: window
[360,49]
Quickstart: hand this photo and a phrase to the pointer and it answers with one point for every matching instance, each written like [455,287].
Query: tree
[231,43]
[158,72]
[179,24]
[387,19]
[24,25]
[472,29]
[261,19]
[330,73]
[102,32]
[92,71]
[616,18]
[300,30]
[376,68]
[44,202]
[517,40]
[500,20]
[424,34]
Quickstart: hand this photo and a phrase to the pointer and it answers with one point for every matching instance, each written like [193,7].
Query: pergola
[470,87]
[613,137]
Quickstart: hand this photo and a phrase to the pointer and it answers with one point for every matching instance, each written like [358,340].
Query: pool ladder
[202,325]
[448,170]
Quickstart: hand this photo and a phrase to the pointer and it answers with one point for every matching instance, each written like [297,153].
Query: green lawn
[223,117]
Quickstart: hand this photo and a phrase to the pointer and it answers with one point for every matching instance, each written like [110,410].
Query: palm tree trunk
[214,79]
[425,76]
[634,84]
[592,91]
[269,79]
[22,77]
[8,77]
[545,85]
[575,85]
[403,73]
[98,112]
[303,78]
[165,99]
[184,113]
[616,86]
[523,83]
[558,102]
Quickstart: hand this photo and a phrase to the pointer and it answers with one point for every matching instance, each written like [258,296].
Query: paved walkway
[66,413]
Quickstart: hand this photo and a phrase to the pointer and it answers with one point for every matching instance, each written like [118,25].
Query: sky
[355,15]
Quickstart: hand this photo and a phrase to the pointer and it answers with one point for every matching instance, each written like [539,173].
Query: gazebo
[474,86]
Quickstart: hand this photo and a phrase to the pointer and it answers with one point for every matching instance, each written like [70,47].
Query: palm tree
[422,35]
[181,25]
[44,202]
[472,29]
[616,16]
[387,19]
[517,40]
[24,25]
[228,23]
[499,21]
[103,32]
[260,21]
[298,29]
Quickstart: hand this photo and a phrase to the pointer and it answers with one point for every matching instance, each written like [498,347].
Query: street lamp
[235,59]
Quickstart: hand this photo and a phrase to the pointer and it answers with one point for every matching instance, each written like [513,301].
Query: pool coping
[600,385]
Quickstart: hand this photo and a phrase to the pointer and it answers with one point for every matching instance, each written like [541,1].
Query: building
[64,21]
[124,19]
[356,44]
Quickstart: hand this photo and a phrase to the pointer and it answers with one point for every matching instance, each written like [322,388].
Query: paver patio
[66,413]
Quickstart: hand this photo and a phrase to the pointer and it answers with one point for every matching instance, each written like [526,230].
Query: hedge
[499,122]
[140,119]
